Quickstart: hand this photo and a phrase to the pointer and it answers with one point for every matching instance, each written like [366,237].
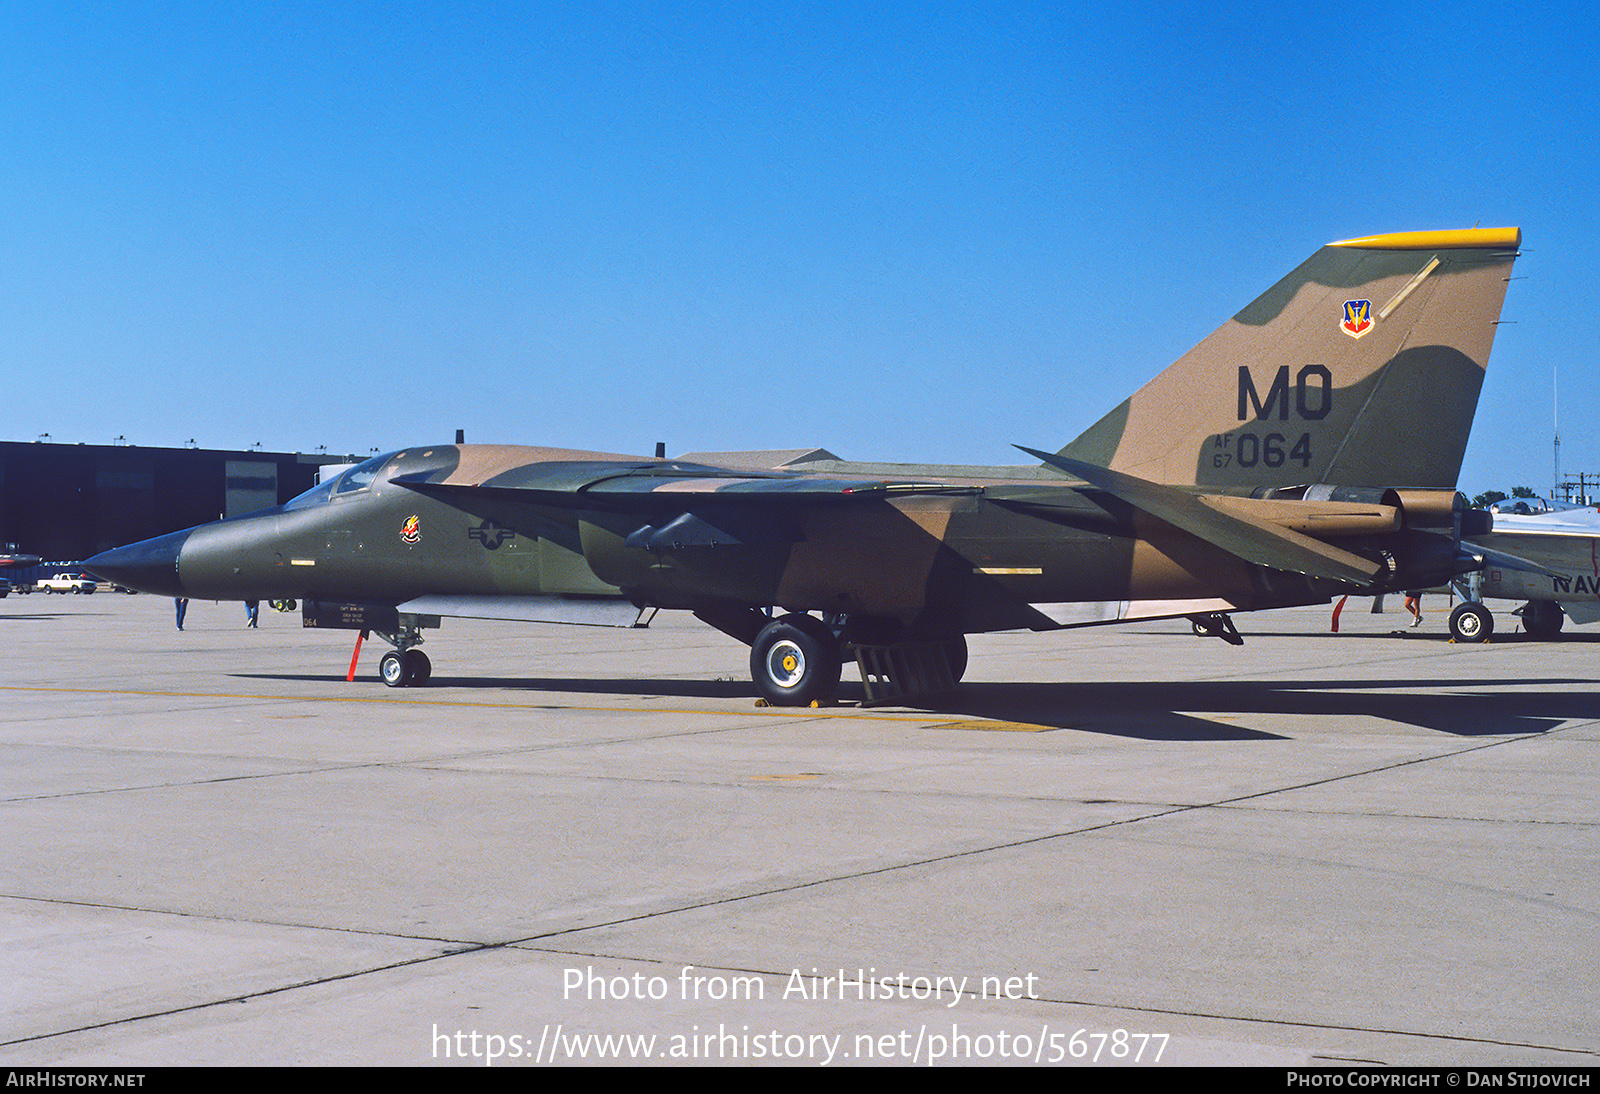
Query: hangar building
[65,502]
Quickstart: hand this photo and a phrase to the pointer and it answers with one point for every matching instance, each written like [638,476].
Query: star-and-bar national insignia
[490,534]
[1357,318]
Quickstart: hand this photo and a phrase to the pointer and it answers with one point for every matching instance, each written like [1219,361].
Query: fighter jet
[10,560]
[1551,560]
[1308,447]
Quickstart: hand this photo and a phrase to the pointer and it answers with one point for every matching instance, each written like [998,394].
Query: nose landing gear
[405,666]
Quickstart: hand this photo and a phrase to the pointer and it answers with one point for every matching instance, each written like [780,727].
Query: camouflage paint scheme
[1308,447]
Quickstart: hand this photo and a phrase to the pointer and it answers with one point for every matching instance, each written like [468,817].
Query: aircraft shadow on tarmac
[44,615]
[1183,710]
[1175,711]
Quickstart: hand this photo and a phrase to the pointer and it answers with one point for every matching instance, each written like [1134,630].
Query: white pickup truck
[65,583]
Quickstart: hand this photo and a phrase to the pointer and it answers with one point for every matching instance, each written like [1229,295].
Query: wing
[1551,550]
[661,486]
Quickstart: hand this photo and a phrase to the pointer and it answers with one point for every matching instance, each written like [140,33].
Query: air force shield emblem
[1357,318]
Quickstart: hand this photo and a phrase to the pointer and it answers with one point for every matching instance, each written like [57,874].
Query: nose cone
[151,565]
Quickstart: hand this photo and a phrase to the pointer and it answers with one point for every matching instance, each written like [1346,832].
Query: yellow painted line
[996,727]
[778,712]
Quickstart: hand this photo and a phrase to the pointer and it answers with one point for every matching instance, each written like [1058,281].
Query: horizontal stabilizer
[1265,545]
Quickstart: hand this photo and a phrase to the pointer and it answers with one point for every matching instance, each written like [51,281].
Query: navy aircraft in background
[1548,558]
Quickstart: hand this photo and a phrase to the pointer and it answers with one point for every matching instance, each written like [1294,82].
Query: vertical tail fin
[1362,367]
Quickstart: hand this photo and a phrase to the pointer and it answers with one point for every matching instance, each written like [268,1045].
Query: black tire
[1471,622]
[418,667]
[795,661]
[393,669]
[955,650]
[1543,618]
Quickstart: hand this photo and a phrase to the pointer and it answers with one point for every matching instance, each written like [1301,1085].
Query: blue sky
[906,232]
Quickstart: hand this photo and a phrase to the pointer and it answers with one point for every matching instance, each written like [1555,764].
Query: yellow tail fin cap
[1506,238]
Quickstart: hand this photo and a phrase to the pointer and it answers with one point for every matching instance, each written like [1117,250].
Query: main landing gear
[796,659]
[1543,618]
[1471,622]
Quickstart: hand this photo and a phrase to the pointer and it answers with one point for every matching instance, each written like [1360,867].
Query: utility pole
[1555,420]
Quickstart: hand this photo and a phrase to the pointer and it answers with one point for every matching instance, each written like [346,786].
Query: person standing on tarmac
[1414,606]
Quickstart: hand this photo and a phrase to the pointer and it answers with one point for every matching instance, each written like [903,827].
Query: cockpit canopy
[352,481]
